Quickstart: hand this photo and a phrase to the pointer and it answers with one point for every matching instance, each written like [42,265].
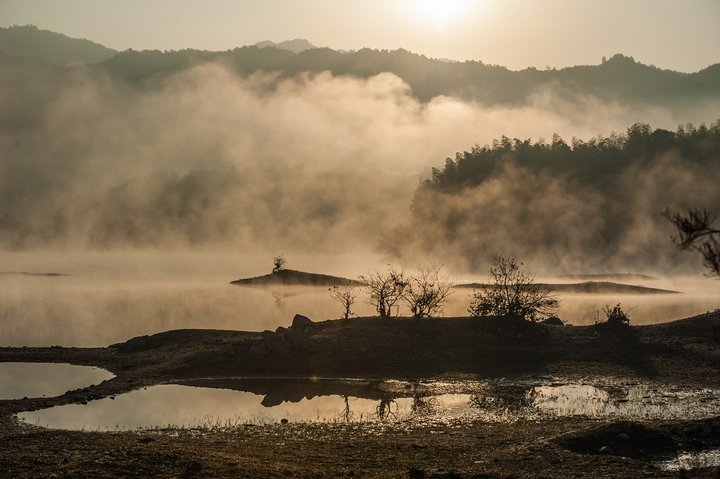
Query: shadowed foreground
[680,353]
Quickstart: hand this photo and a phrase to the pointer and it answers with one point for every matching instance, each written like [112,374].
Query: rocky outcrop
[301,322]
[283,341]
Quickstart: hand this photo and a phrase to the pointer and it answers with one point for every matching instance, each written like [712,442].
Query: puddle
[19,380]
[627,402]
[691,460]
[212,403]
[199,407]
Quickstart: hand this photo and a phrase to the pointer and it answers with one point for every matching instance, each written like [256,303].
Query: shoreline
[680,353]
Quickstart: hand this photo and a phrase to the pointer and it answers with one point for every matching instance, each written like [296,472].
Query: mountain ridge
[52,47]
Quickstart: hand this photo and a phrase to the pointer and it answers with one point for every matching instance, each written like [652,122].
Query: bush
[346,296]
[426,292]
[616,316]
[385,290]
[512,294]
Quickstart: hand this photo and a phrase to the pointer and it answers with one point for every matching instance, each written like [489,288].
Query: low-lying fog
[111,297]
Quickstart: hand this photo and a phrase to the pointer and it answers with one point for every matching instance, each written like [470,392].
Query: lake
[105,298]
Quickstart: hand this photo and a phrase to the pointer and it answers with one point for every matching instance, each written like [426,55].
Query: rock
[554,321]
[294,337]
[275,343]
[284,421]
[301,322]
[605,450]
[624,436]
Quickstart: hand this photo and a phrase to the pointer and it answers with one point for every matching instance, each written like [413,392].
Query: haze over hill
[263,148]
[297,45]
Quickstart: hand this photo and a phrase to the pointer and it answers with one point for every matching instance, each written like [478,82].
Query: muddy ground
[682,353]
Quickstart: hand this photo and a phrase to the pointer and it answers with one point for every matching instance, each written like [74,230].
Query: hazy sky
[516,33]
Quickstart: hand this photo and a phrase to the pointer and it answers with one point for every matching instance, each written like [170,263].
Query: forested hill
[619,78]
[593,204]
[55,48]
[599,162]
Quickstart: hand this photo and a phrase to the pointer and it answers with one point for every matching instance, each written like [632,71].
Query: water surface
[108,298]
[252,401]
[19,380]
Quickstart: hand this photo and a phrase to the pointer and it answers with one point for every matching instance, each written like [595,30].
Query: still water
[108,298]
[246,401]
[19,380]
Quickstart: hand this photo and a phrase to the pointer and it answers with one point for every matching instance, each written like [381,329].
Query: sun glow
[440,12]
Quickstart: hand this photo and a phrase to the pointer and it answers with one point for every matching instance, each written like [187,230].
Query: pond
[210,403]
[686,461]
[20,380]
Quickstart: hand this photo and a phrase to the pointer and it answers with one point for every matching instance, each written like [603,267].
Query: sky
[683,36]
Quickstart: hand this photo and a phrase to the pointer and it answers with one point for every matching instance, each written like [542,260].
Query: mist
[209,158]
[561,225]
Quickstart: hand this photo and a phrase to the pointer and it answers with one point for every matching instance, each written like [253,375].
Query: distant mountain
[619,79]
[51,47]
[297,45]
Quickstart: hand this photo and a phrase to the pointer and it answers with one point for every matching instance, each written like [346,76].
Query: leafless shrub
[386,289]
[512,293]
[346,296]
[427,291]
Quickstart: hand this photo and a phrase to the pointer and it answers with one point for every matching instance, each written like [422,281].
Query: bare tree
[427,292]
[696,230]
[279,263]
[386,289]
[512,293]
[346,296]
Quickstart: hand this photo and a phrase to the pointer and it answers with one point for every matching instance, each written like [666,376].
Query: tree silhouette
[696,230]
[386,289]
[346,296]
[512,294]
[279,263]
[427,291]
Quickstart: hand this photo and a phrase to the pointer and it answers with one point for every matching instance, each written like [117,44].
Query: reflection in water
[347,414]
[384,409]
[633,401]
[263,401]
[422,406]
[186,406]
[691,460]
[19,380]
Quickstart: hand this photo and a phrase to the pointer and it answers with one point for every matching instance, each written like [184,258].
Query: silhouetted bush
[426,292]
[346,296]
[386,290]
[616,315]
[279,263]
[512,294]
